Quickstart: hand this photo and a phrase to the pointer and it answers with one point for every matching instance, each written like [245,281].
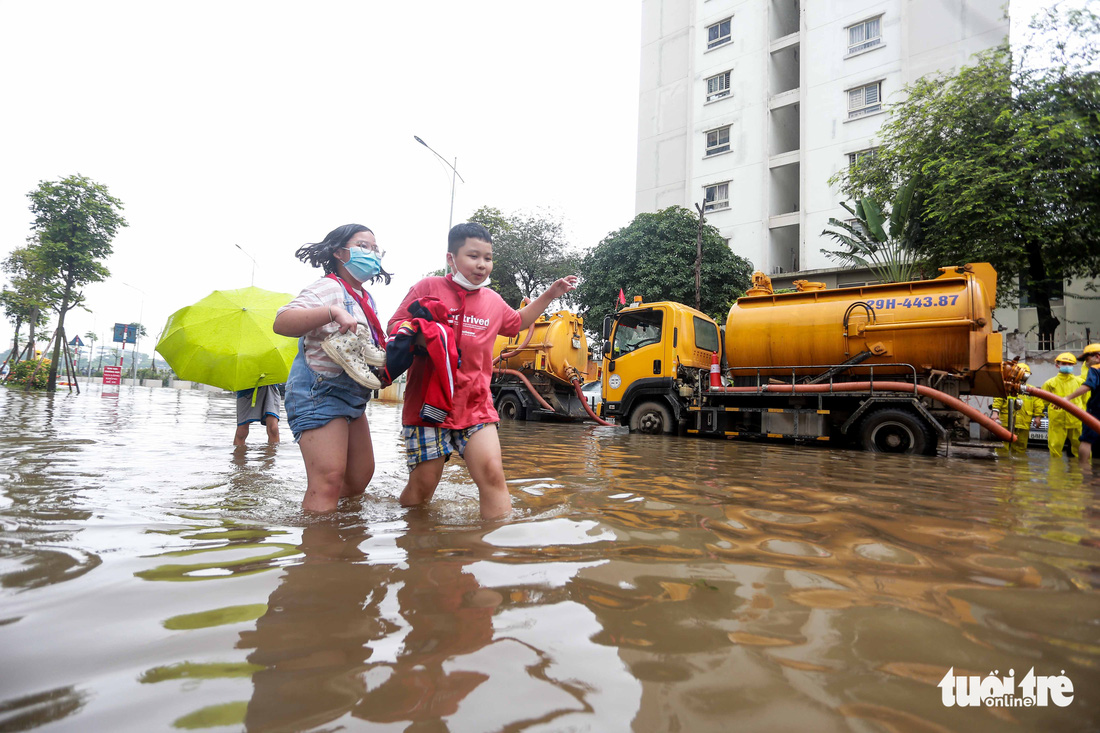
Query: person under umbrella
[262,405]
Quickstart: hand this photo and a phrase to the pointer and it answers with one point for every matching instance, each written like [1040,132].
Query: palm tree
[92,338]
[889,253]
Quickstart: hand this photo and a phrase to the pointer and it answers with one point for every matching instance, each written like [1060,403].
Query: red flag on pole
[622,298]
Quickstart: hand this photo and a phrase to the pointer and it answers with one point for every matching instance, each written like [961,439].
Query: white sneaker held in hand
[346,350]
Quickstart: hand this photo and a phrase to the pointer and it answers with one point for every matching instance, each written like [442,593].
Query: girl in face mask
[340,338]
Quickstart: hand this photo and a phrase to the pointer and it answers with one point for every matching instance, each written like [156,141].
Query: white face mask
[461,279]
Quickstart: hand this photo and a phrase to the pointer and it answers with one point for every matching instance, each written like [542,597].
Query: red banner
[112,375]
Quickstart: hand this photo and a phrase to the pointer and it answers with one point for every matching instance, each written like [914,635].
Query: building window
[864,100]
[865,35]
[857,225]
[718,86]
[716,196]
[719,33]
[861,155]
[718,141]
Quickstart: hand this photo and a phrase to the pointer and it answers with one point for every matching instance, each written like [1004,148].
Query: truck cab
[649,350]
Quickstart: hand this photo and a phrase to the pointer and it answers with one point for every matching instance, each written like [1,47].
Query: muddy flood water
[153,578]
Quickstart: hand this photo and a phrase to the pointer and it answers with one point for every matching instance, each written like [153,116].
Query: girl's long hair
[323,254]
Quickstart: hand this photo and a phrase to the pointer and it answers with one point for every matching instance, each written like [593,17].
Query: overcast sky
[264,125]
[267,124]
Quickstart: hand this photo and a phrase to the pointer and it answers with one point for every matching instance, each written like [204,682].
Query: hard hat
[1066,358]
[1090,349]
[1024,368]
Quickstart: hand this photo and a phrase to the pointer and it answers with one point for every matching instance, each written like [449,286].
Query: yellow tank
[943,324]
[557,345]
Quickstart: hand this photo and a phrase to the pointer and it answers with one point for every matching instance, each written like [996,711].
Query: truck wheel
[653,418]
[510,408]
[891,430]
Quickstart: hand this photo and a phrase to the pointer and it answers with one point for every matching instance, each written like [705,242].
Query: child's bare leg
[423,479]
[486,469]
[240,435]
[325,450]
[360,458]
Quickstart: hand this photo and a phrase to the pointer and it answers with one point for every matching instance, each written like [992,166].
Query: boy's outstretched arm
[532,311]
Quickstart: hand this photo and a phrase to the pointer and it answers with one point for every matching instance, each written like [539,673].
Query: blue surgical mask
[363,264]
[1065,369]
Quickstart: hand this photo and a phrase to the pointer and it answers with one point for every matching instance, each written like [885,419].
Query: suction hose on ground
[956,404]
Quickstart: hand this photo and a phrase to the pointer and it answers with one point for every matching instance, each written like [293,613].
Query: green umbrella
[226,340]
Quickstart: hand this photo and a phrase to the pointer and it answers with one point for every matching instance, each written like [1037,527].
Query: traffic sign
[76,342]
[112,375]
[125,333]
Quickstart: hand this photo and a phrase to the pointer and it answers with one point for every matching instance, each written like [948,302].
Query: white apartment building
[751,105]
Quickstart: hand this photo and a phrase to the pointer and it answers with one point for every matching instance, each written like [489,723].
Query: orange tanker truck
[536,373]
[880,367]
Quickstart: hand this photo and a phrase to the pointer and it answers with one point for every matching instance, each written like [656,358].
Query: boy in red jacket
[476,315]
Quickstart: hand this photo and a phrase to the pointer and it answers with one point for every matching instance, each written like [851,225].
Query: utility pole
[454,174]
[253,280]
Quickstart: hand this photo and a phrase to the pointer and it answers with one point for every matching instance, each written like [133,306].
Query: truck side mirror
[606,327]
[607,349]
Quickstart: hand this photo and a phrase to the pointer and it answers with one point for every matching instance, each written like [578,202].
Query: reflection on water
[152,577]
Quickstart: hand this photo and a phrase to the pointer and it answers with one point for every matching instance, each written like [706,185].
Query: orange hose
[527,384]
[1065,404]
[990,424]
[587,408]
[519,348]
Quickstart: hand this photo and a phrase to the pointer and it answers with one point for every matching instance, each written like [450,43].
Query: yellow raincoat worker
[1027,409]
[1060,424]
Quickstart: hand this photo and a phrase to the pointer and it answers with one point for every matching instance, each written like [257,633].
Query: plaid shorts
[425,444]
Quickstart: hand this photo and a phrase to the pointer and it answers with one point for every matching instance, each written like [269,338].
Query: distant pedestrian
[262,405]
[1089,437]
[1061,425]
[1026,408]
[340,338]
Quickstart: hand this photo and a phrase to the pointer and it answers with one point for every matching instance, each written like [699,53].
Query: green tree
[1008,154]
[28,300]
[529,253]
[880,244]
[654,256]
[75,220]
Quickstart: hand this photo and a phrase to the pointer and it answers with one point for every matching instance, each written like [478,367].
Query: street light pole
[253,282]
[454,173]
[137,336]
